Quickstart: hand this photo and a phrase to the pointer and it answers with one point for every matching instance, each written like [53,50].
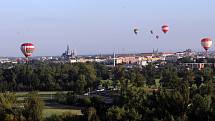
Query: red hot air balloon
[27,49]
[206,43]
[165,28]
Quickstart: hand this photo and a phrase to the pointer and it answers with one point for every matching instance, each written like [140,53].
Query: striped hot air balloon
[27,49]
[206,43]
[165,28]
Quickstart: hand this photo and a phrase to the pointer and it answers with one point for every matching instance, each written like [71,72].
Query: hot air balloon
[151,32]
[206,43]
[157,37]
[165,28]
[27,49]
[136,31]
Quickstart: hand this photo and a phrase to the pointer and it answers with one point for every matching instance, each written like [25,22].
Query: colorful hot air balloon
[136,31]
[206,43]
[27,49]
[165,28]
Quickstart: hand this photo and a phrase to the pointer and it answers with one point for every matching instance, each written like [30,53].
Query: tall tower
[67,50]
[114,59]
[73,54]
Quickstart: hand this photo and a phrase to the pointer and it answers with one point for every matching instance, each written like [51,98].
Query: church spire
[67,50]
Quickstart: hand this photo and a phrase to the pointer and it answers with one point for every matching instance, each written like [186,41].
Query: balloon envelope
[27,49]
[136,30]
[151,32]
[165,28]
[206,43]
[157,37]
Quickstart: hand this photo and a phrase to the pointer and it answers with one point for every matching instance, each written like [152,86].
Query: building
[198,65]
[69,54]
[136,59]
[5,60]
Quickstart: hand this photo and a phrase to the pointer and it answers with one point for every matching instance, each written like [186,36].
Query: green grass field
[55,109]
[48,112]
[44,95]
[20,94]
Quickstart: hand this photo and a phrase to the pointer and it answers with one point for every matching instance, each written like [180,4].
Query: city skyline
[93,27]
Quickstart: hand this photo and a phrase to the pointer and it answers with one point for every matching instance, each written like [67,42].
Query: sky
[104,26]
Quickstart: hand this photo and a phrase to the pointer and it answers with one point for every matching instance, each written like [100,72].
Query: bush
[86,101]
[96,100]
[60,97]
[71,98]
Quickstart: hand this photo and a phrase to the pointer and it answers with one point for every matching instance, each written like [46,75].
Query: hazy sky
[104,26]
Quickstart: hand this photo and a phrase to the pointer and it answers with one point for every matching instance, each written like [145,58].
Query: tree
[7,102]
[207,74]
[119,72]
[135,76]
[88,71]
[81,84]
[140,80]
[189,76]
[91,114]
[198,79]
[115,114]
[132,115]
[150,73]
[199,110]
[85,101]
[33,107]
[71,98]
[102,71]
[212,106]
[169,77]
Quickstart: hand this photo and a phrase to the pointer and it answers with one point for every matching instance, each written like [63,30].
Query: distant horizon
[93,54]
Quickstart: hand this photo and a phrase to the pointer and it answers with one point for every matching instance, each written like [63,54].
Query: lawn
[44,95]
[48,112]
[52,108]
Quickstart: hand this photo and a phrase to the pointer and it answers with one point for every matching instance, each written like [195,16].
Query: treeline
[77,77]
[82,77]
[47,77]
